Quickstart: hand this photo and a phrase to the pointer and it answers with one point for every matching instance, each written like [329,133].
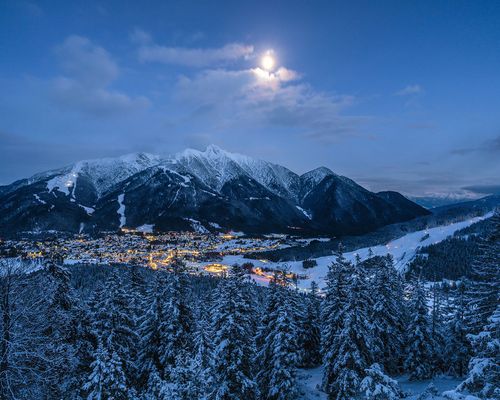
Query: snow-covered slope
[102,173]
[214,167]
[402,249]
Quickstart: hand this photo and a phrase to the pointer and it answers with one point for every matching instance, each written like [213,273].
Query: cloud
[89,71]
[491,146]
[410,90]
[483,189]
[32,8]
[194,57]
[90,64]
[138,36]
[71,94]
[255,99]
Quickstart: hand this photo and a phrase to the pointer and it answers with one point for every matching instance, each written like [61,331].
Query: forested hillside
[133,333]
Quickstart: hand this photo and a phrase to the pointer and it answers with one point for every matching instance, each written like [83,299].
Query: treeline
[451,258]
[441,216]
[166,334]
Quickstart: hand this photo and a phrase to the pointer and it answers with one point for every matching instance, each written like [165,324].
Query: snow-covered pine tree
[483,288]
[484,367]
[85,344]
[284,348]
[376,385]
[387,315]
[59,331]
[437,330]
[156,388]
[233,342]
[279,355]
[178,331]
[137,288]
[430,393]
[457,351]
[151,331]
[107,379]
[353,343]
[419,351]
[114,324]
[264,351]
[332,315]
[309,340]
[200,363]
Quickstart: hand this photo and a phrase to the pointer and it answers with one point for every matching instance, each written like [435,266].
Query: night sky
[399,95]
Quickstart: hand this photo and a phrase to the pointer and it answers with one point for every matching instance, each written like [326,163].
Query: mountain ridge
[212,187]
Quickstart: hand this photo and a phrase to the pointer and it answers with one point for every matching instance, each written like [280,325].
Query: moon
[267,62]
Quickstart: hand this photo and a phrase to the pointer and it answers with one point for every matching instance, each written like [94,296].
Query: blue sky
[397,95]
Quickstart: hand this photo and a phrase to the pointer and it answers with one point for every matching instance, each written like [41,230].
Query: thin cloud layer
[89,71]
[198,57]
[254,99]
[410,90]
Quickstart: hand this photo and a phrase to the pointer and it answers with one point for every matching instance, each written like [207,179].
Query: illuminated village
[202,253]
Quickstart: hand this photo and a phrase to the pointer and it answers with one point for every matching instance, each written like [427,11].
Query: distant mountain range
[196,190]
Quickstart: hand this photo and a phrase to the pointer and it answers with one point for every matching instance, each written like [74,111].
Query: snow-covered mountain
[203,188]
[215,167]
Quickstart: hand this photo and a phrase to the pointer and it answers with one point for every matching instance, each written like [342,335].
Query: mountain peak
[321,171]
[317,175]
[212,148]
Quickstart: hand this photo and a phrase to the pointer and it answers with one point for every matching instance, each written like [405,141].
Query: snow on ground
[146,228]
[121,210]
[88,210]
[39,199]
[17,266]
[309,381]
[197,226]
[414,388]
[308,215]
[65,182]
[402,249]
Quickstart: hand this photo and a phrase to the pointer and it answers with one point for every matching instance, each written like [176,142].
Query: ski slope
[403,250]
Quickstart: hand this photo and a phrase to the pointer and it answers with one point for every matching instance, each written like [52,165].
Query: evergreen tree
[113,321]
[430,393]
[354,342]
[234,348]
[484,367]
[419,349]
[284,348]
[332,315]
[437,330]
[483,288]
[280,351]
[157,388]
[309,340]
[378,386]
[152,333]
[200,364]
[264,350]
[107,379]
[387,315]
[85,344]
[59,330]
[137,290]
[178,332]
[457,344]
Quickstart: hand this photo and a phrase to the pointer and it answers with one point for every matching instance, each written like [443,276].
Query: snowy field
[402,249]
